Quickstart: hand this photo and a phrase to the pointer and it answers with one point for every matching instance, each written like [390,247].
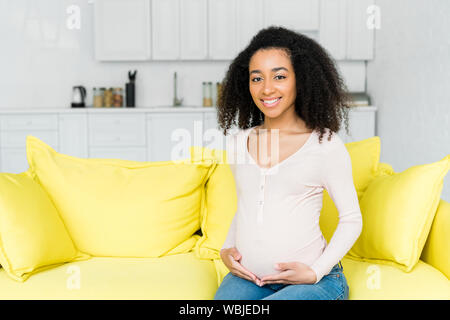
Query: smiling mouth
[271,102]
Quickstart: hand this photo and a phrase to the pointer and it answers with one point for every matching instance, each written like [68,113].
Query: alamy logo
[74,17]
[374,17]
[74,280]
[374,279]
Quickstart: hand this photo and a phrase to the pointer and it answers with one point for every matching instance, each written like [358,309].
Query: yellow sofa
[183,276]
[187,276]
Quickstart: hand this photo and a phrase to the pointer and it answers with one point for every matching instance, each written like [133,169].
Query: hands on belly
[231,257]
[290,272]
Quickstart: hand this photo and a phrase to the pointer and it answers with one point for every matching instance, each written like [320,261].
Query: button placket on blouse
[261,198]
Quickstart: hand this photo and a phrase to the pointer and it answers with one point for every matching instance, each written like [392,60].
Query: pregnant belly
[261,259]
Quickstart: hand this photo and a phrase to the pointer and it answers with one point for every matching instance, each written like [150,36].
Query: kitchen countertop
[110,110]
[132,110]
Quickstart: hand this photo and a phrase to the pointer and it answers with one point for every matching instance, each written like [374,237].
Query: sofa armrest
[436,251]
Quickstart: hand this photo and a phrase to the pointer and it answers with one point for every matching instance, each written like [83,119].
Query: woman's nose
[268,88]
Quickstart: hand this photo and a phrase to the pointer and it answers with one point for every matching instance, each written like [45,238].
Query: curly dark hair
[322,98]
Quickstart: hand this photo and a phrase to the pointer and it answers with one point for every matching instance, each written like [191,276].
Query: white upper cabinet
[250,19]
[219,29]
[344,31]
[360,34]
[222,29]
[166,29]
[299,15]
[194,29]
[122,30]
[333,27]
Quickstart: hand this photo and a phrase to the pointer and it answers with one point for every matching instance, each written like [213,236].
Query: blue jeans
[333,286]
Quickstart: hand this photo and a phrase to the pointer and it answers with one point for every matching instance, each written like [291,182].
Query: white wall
[409,82]
[41,59]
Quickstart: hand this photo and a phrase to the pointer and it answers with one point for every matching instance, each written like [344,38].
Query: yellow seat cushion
[369,281]
[174,277]
[32,235]
[397,211]
[220,204]
[123,208]
[365,157]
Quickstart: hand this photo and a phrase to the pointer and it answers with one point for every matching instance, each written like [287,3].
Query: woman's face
[272,82]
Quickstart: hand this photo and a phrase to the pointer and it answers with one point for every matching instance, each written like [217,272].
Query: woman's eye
[282,77]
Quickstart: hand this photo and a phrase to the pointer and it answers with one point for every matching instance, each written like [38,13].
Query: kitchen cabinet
[332,34]
[166,29]
[179,30]
[124,153]
[222,29]
[14,129]
[122,30]
[194,30]
[73,135]
[360,38]
[249,20]
[14,160]
[170,135]
[141,134]
[213,137]
[109,130]
[292,14]
[344,31]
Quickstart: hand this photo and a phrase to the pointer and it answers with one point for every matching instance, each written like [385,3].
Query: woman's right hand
[231,258]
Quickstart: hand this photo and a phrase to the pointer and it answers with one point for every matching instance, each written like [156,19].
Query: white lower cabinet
[140,135]
[123,153]
[213,137]
[109,130]
[14,160]
[73,135]
[170,135]
[14,128]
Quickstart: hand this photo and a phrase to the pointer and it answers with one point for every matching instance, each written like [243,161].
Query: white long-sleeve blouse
[277,217]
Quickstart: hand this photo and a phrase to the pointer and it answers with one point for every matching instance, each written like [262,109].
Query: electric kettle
[78,97]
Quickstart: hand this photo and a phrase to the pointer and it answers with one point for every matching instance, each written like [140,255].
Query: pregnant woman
[289,102]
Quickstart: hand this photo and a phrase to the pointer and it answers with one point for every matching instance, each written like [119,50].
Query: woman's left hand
[292,273]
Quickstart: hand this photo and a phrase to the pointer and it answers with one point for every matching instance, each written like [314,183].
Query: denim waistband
[339,266]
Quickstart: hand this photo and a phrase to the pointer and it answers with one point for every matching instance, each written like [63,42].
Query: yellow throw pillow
[397,211]
[220,204]
[365,157]
[122,208]
[32,235]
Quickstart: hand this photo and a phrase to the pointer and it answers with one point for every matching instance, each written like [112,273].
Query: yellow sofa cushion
[123,208]
[175,277]
[32,235]
[371,281]
[220,204]
[397,211]
[365,156]
[437,248]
